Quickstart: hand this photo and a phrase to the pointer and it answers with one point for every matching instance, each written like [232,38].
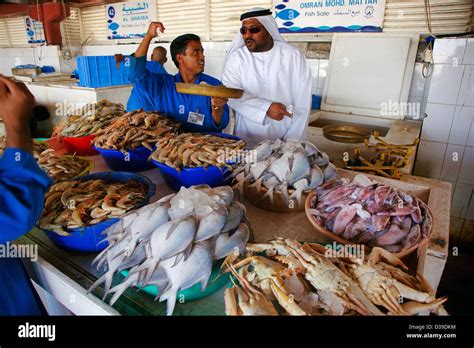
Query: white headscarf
[267,21]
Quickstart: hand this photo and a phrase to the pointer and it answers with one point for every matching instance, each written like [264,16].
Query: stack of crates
[100,71]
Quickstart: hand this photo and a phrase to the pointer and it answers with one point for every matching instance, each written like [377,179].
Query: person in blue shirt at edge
[155,66]
[196,113]
[22,187]
[158,60]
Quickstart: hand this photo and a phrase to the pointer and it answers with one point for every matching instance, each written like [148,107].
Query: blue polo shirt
[138,97]
[155,67]
[22,187]
[158,93]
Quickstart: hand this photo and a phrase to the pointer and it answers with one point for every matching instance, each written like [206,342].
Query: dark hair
[40,113]
[178,46]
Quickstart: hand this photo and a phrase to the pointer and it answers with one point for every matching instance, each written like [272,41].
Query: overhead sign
[34,31]
[299,16]
[126,20]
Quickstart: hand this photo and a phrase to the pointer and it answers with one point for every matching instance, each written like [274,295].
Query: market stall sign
[34,31]
[300,16]
[126,20]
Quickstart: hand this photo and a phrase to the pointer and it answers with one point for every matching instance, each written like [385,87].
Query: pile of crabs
[285,277]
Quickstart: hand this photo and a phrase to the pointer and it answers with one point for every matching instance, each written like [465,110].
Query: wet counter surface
[266,226]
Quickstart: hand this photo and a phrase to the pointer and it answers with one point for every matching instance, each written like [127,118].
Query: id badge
[196,118]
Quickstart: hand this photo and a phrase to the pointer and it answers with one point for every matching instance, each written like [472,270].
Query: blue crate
[100,71]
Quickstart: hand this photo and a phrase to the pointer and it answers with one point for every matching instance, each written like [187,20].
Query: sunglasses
[253,30]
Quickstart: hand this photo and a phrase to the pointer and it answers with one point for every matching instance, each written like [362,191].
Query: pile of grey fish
[371,213]
[173,242]
[282,165]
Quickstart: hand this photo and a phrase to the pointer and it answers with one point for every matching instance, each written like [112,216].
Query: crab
[246,299]
[386,285]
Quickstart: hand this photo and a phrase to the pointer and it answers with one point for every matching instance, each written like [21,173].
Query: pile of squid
[310,279]
[172,243]
[74,204]
[373,214]
[57,167]
[282,165]
[89,119]
[196,150]
[135,129]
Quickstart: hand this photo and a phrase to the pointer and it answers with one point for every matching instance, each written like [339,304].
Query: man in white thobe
[275,77]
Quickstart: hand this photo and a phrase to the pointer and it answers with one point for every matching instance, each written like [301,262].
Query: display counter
[64,276]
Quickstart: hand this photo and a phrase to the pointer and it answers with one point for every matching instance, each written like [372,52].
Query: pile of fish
[295,279]
[73,204]
[62,167]
[282,165]
[57,167]
[134,129]
[38,147]
[172,243]
[89,119]
[370,213]
[196,150]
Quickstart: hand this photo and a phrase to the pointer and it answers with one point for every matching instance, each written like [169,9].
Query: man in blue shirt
[158,60]
[22,187]
[138,98]
[158,92]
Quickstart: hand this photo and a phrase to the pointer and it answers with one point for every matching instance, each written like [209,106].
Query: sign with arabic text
[34,31]
[127,20]
[300,16]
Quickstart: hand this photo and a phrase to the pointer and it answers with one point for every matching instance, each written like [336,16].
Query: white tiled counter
[61,98]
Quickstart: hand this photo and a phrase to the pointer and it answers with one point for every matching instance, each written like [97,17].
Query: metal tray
[209,91]
[346,133]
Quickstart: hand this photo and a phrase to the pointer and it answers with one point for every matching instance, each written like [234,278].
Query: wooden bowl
[279,205]
[323,235]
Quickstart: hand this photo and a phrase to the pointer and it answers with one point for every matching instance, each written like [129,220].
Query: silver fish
[300,186]
[167,241]
[262,151]
[330,172]
[237,212]
[300,168]
[322,159]
[196,269]
[316,179]
[281,167]
[211,225]
[226,244]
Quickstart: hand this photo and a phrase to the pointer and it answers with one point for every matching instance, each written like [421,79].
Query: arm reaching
[142,50]
[16,103]
[22,182]
[145,83]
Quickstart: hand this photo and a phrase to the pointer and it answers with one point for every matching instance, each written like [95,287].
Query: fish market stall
[54,94]
[67,275]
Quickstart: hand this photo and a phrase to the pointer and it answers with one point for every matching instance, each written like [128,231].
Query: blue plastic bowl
[194,293]
[90,239]
[136,162]
[212,175]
